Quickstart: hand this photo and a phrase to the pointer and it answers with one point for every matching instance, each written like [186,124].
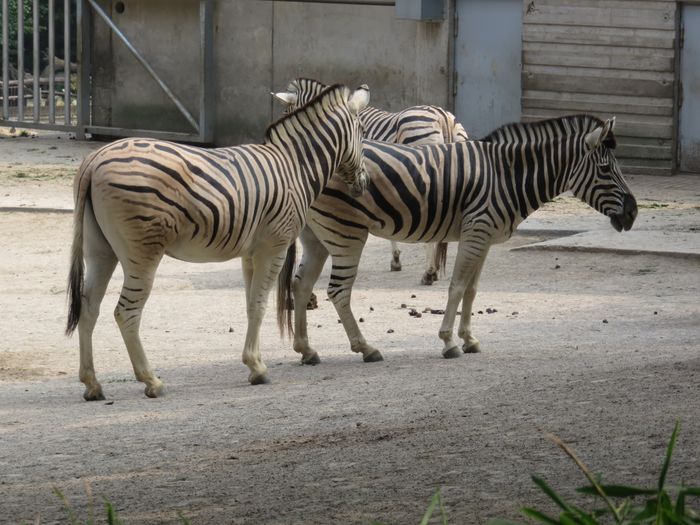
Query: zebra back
[414,126]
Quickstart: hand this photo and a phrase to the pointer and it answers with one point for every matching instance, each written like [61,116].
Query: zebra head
[300,91]
[597,179]
[352,167]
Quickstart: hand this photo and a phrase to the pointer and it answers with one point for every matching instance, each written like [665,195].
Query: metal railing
[58,97]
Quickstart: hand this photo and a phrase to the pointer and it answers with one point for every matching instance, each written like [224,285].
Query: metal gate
[57,95]
[689,113]
[487,57]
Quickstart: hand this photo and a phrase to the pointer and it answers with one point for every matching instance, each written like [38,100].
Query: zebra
[414,126]
[475,192]
[138,199]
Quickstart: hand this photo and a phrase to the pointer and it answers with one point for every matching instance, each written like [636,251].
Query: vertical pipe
[5,65]
[206,100]
[52,72]
[83,57]
[66,57]
[35,49]
[20,60]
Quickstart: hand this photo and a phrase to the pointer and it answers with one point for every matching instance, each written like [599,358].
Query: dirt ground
[601,349]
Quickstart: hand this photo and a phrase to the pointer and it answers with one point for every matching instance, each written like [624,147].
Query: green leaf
[669,453]
[550,492]
[431,507]
[536,514]
[498,521]
[568,519]
[617,491]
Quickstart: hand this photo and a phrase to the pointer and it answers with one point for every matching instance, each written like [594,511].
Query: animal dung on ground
[605,321]
[491,310]
[413,296]
[437,311]
[403,305]
[414,313]
[362,319]
[230,329]
[390,331]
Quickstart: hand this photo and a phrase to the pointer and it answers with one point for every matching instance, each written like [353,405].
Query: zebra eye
[605,168]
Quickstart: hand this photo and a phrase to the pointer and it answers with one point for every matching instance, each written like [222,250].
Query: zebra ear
[359,99]
[285,97]
[596,137]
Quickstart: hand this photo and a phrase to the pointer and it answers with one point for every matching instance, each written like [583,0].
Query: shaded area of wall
[607,58]
[260,47]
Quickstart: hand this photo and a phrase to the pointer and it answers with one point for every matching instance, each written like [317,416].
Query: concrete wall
[259,47]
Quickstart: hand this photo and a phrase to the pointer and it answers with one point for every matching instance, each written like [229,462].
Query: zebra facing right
[475,192]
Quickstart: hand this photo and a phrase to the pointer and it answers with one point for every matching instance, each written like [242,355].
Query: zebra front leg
[266,267]
[312,261]
[395,257]
[471,343]
[469,254]
[138,282]
[343,275]
[100,262]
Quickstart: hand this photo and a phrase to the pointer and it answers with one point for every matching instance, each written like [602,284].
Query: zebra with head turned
[474,192]
[414,126]
[137,200]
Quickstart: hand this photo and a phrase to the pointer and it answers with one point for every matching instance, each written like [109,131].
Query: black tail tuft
[75,293]
[284,292]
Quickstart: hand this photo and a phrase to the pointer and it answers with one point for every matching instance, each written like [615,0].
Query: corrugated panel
[606,57]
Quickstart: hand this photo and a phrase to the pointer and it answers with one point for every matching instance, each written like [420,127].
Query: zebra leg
[100,262]
[343,275]
[138,282]
[469,255]
[266,267]
[431,273]
[395,254]
[471,343]
[312,261]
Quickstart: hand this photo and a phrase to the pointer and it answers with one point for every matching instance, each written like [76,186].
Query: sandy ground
[601,349]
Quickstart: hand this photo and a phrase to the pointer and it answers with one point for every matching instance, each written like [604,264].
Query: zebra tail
[76,274]
[285,300]
[440,257]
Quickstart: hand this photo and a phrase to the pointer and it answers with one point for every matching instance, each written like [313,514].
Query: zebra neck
[315,153]
[538,173]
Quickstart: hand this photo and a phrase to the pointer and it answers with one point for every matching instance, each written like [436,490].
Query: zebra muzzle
[625,219]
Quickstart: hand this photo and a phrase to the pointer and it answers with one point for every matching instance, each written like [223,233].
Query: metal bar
[206,100]
[149,133]
[346,2]
[20,59]
[66,58]
[35,49]
[145,64]
[36,125]
[52,70]
[83,50]
[5,64]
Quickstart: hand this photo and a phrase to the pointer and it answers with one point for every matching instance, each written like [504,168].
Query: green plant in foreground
[435,501]
[659,507]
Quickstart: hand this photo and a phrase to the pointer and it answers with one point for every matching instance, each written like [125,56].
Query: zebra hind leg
[430,275]
[395,257]
[100,262]
[469,256]
[471,344]
[343,275]
[310,267]
[138,282]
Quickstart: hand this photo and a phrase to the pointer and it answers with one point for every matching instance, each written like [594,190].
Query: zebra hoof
[93,394]
[471,349]
[452,353]
[395,266]
[156,390]
[428,279]
[373,357]
[260,380]
[313,359]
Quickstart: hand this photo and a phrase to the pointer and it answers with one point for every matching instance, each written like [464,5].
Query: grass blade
[616,491]
[66,505]
[669,453]
[539,516]
[429,511]
[553,495]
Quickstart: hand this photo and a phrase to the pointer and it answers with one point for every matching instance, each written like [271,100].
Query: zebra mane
[312,104]
[567,125]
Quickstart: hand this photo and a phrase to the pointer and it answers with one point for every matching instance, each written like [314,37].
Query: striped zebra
[139,199]
[414,126]
[474,192]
